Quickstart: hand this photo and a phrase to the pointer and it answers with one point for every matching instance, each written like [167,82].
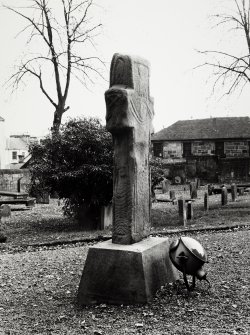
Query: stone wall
[9,180]
[236,149]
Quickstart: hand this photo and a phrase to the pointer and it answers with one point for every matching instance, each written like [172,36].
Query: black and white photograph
[124,167]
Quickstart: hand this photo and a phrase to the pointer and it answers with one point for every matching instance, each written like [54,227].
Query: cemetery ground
[42,261]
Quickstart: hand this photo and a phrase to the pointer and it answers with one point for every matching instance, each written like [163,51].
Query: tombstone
[190,211]
[198,183]
[19,184]
[172,195]
[165,185]
[210,189]
[206,201]
[106,216]
[182,212]
[43,198]
[193,190]
[131,267]
[234,192]
[224,196]
[241,190]
[5,213]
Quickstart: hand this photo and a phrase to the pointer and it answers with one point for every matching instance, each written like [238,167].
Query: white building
[14,151]
[17,150]
[2,144]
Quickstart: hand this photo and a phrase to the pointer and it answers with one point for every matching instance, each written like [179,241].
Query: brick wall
[9,179]
[236,149]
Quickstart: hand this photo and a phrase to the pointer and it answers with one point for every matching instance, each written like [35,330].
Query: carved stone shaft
[129,119]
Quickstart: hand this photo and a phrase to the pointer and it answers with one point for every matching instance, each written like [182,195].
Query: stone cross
[129,119]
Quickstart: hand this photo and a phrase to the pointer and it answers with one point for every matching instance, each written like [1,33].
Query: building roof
[201,129]
[16,143]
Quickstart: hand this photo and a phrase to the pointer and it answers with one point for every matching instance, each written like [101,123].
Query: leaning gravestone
[131,267]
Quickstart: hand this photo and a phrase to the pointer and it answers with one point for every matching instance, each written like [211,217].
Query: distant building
[2,143]
[215,149]
[17,150]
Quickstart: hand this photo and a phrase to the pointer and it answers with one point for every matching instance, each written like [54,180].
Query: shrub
[76,164]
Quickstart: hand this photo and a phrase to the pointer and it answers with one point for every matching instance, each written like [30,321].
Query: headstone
[206,201]
[210,189]
[165,185]
[241,190]
[224,196]
[172,195]
[190,211]
[182,212]
[43,198]
[19,184]
[128,269]
[234,192]
[106,216]
[193,190]
[5,213]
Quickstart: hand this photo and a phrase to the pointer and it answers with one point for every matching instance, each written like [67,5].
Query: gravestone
[223,196]
[206,201]
[182,212]
[165,185]
[234,192]
[106,216]
[5,213]
[131,267]
[190,211]
[172,195]
[241,190]
[193,190]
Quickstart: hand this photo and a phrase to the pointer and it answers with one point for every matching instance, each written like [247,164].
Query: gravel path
[38,290]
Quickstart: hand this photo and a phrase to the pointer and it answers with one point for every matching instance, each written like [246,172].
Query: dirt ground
[38,284]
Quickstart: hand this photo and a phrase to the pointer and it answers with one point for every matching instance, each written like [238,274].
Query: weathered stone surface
[206,201]
[241,190]
[106,216]
[182,212]
[126,274]
[172,194]
[193,190]
[234,192]
[5,213]
[190,211]
[129,119]
[223,196]
[165,185]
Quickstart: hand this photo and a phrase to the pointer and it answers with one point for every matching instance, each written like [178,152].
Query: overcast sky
[166,33]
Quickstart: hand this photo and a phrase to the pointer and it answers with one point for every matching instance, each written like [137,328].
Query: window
[219,149]
[158,149]
[187,149]
[14,154]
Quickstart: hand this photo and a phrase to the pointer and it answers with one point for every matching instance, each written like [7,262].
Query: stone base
[126,274]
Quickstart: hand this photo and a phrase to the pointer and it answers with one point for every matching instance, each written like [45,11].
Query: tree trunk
[57,120]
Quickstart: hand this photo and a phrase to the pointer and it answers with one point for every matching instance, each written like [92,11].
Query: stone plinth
[126,274]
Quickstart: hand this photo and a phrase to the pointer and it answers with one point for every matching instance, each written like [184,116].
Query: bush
[76,164]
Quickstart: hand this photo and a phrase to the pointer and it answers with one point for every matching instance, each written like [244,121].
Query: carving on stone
[129,119]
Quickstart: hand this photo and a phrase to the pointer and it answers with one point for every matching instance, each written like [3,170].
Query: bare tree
[232,70]
[58,31]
